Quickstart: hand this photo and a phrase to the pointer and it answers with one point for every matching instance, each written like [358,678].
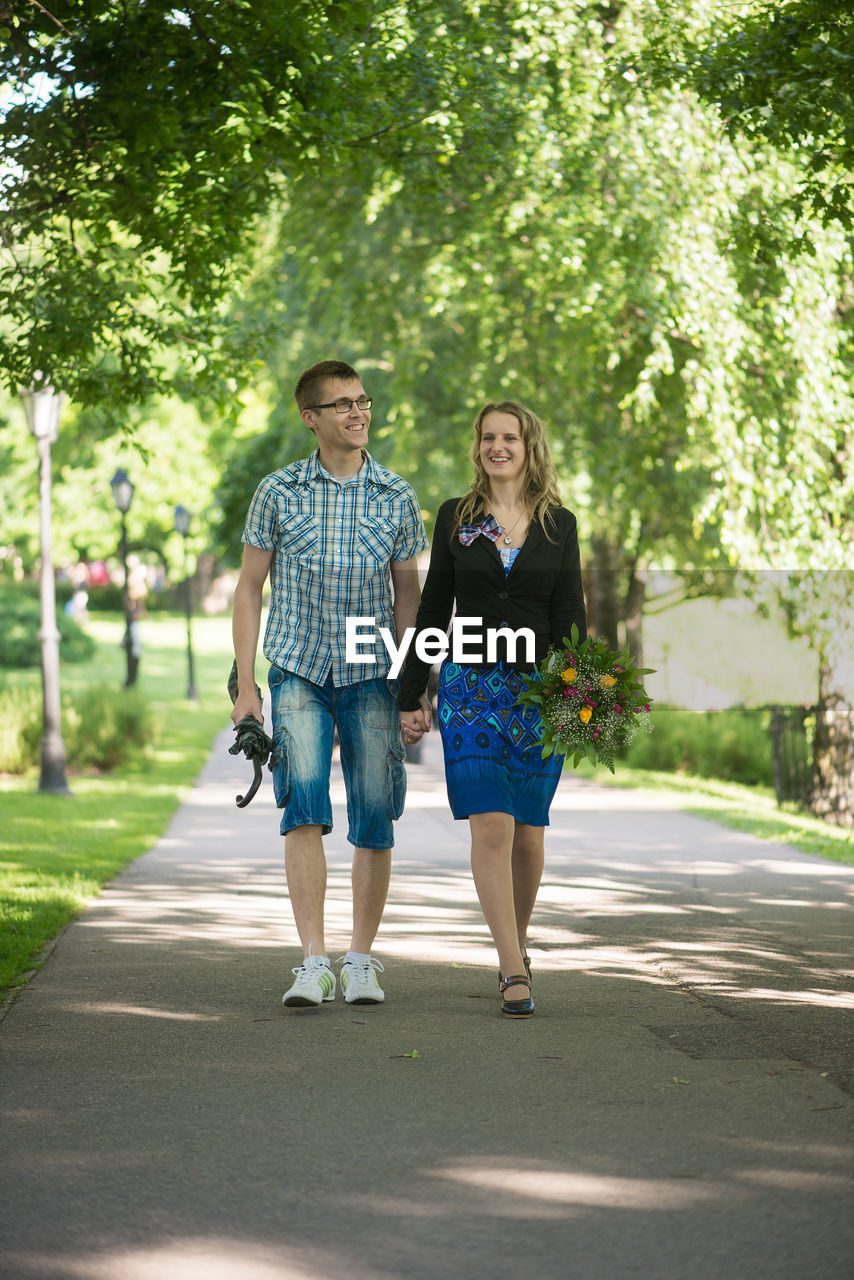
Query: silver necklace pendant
[507,540]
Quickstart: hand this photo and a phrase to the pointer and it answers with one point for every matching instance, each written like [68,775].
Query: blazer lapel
[529,547]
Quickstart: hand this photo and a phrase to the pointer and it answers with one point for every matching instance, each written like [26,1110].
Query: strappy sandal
[526,961]
[517,1008]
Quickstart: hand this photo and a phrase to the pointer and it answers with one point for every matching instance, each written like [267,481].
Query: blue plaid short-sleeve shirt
[332,542]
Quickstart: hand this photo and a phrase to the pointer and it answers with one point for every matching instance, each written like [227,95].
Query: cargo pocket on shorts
[396,789]
[281,769]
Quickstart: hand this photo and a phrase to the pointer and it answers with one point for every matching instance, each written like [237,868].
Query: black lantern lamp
[122,488]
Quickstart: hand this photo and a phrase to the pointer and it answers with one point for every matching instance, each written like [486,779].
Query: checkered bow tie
[489,527]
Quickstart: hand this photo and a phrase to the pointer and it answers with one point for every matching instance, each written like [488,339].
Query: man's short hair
[309,388]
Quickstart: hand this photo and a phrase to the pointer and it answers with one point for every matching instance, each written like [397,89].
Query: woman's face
[502,449]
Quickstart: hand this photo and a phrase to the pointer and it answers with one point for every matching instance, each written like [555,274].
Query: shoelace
[362,970]
[306,967]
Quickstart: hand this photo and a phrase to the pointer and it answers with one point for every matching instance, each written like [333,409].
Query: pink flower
[619,710]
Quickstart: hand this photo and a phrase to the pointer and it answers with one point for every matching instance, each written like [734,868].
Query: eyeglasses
[344,406]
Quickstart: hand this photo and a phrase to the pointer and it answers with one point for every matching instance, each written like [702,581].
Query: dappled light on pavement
[675,1107]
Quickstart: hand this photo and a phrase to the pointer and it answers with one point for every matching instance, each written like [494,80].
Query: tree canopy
[140,142]
[779,73]
[602,210]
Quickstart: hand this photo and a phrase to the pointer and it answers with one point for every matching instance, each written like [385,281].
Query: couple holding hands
[338,535]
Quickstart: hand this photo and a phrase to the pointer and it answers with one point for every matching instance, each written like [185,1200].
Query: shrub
[19,634]
[101,728]
[104,728]
[734,745]
[20,728]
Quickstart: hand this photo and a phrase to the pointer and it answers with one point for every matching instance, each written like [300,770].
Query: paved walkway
[679,1108]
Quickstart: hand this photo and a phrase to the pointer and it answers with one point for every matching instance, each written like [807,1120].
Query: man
[333,531]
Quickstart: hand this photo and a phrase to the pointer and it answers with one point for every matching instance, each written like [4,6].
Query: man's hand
[247,704]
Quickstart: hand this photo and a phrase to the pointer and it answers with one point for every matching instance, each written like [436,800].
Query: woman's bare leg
[491,859]
[527,866]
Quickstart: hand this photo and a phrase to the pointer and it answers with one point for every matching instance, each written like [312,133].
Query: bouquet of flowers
[590,700]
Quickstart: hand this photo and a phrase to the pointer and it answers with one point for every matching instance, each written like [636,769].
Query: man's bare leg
[370,879]
[305,868]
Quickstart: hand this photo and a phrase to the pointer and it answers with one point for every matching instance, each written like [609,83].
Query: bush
[733,745]
[104,728]
[19,635]
[101,728]
[20,728]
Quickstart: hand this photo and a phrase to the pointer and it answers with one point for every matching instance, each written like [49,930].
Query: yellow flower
[607,682]
[584,714]
[569,675]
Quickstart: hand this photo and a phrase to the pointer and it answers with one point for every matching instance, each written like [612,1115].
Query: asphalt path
[679,1108]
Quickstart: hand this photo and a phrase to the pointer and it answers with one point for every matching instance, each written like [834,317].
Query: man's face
[339,431]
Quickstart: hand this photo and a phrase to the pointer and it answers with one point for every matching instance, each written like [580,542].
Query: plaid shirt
[332,545]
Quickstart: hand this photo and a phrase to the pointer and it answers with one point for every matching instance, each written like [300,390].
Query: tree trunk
[603,606]
[831,789]
[633,616]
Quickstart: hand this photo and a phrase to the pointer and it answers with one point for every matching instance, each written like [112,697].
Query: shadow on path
[680,1105]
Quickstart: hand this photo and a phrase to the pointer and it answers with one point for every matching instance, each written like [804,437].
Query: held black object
[250,739]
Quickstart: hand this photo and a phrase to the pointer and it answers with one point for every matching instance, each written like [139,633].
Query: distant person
[506,553]
[77,607]
[334,532]
[132,642]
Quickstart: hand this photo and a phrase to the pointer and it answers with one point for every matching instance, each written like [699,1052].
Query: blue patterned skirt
[493,763]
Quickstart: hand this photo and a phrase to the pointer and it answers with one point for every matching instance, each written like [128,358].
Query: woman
[507,554]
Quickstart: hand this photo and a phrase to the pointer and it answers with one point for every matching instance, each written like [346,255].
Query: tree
[571,284]
[780,76]
[779,73]
[167,450]
[697,391]
[142,141]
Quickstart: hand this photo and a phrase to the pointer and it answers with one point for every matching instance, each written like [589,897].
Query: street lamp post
[42,406]
[122,488]
[182,526]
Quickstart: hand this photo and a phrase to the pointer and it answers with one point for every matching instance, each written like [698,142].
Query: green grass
[750,809]
[59,850]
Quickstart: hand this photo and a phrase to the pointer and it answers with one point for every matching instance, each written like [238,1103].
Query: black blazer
[542,591]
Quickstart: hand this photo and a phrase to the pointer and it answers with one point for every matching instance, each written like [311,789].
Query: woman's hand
[414,724]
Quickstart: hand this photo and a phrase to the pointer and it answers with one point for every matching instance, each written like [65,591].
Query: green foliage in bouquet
[590,700]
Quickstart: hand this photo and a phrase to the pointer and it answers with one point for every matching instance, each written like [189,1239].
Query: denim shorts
[366,715]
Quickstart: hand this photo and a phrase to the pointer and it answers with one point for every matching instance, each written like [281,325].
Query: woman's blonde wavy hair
[541,493]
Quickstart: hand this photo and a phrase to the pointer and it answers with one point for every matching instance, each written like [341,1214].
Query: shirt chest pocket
[300,536]
[375,539]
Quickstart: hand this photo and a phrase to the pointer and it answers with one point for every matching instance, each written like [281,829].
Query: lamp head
[182,521]
[42,406]
[122,488]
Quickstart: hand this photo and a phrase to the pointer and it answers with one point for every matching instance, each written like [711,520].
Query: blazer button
[502,595]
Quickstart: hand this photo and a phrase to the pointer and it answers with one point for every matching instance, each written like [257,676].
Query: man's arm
[407,595]
[246,627]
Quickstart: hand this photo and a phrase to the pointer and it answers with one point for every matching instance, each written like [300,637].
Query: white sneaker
[315,984]
[359,982]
